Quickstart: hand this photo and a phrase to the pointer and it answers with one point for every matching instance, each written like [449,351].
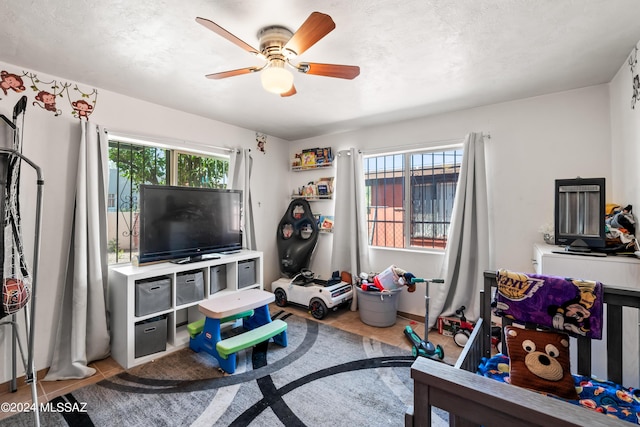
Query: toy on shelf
[326,223]
[320,189]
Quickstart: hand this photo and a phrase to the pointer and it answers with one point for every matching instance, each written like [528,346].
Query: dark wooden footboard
[473,400]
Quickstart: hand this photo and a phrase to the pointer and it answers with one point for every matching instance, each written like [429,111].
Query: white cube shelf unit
[151,305]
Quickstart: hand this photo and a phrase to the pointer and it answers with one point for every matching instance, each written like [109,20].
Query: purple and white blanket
[571,305]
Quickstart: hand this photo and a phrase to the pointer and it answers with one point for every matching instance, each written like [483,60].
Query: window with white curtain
[134,164]
[410,197]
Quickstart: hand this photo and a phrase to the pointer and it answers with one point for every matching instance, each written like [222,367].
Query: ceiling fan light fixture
[276,78]
[278,47]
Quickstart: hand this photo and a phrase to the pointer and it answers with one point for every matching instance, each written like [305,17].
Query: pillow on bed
[539,361]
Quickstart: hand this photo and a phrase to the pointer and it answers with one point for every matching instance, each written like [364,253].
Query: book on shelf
[323,189]
[323,156]
[308,159]
[326,183]
[326,222]
[313,157]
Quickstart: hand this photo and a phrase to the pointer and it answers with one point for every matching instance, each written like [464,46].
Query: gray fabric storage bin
[153,295]
[246,273]
[218,279]
[150,336]
[189,287]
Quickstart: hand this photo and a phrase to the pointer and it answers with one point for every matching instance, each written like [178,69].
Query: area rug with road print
[324,377]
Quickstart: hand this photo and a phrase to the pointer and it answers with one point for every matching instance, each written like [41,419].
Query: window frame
[172,152]
[407,202]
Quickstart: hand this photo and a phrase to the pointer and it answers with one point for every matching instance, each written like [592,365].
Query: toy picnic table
[252,306]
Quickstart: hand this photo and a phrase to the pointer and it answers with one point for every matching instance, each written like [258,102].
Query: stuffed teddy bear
[539,361]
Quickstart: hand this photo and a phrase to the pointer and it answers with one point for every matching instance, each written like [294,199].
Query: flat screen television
[580,214]
[187,222]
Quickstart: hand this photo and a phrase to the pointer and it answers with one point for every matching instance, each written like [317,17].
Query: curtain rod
[428,145]
[163,142]
[414,147]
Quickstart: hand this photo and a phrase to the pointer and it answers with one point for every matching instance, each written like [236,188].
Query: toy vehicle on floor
[318,295]
[462,331]
[424,347]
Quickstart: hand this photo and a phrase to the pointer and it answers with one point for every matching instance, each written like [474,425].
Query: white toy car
[316,294]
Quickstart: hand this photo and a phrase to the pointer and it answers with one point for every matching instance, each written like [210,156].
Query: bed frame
[473,400]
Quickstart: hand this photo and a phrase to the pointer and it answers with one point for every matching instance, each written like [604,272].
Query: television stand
[152,305]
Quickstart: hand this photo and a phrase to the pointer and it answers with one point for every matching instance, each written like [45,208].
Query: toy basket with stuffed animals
[379,295]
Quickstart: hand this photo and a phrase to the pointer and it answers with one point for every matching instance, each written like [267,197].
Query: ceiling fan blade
[313,29]
[330,70]
[227,35]
[290,92]
[231,73]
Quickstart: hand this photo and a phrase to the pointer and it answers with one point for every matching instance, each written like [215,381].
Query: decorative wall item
[635,79]
[261,139]
[11,81]
[48,95]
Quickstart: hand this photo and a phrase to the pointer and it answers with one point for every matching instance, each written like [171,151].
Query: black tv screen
[181,222]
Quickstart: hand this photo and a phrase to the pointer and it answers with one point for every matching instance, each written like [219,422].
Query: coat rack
[10,157]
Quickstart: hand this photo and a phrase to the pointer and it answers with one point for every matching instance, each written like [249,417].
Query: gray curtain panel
[82,333]
[240,167]
[350,247]
[468,249]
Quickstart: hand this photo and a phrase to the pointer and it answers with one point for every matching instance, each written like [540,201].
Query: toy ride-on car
[318,295]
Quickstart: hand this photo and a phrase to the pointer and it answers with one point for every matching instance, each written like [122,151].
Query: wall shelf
[314,167]
[312,198]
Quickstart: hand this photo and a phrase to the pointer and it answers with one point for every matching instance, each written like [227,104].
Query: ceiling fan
[278,47]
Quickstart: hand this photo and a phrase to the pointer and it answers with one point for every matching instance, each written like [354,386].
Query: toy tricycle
[462,332]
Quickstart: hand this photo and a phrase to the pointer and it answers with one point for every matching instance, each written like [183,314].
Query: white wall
[533,142]
[625,138]
[52,143]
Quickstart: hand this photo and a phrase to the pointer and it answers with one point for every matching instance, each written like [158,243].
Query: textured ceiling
[417,57]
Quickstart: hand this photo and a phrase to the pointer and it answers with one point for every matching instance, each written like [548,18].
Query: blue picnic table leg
[207,340]
[261,316]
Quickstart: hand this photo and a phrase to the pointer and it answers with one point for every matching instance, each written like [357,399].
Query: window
[410,198]
[131,165]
